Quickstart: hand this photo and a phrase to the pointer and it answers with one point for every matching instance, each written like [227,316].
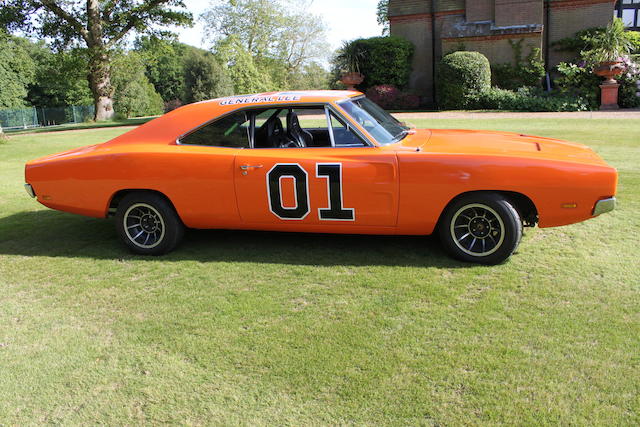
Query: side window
[291,127]
[230,131]
[343,134]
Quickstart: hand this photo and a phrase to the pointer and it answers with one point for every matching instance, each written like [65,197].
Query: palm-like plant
[349,56]
[610,45]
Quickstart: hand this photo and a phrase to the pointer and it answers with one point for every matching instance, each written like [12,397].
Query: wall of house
[567,17]
[487,26]
[518,12]
[479,10]
[417,30]
[497,49]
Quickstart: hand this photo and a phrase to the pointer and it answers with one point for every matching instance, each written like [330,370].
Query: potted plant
[348,59]
[607,51]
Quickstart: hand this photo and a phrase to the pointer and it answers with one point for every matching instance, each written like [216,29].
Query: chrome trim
[341,114]
[604,206]
[30,191]
[329,127]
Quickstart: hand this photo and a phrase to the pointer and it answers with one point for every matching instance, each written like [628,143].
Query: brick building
[437,27]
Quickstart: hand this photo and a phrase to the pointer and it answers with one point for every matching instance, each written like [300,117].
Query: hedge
[461,77]
[385,61]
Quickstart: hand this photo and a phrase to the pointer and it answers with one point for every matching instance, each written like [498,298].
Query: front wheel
[481,228]
[148,224]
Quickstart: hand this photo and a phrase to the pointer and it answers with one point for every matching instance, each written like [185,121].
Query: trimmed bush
[461,77]
[528,99]
[383,61]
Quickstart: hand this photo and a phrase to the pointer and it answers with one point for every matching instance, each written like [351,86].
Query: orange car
[325,162]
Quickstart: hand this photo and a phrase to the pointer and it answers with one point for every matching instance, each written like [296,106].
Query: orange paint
[400,188]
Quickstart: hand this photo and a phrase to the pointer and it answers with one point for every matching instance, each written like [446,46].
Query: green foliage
[634,38]
[580,41]
[525,72]
[312,77]
[248,73]
[66,22]
[585,41]
[461,77]
[627,94]
[382,14]
[61,78]
[164,62]
[529,99]
[134,96]
[578,81]
[609,45]
[204,78]
[17,72]
[267,44]
[98,26]
[595,45]
[349,57]
[382,60]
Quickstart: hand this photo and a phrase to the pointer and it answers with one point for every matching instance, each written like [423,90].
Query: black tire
[483,228]
[147,224]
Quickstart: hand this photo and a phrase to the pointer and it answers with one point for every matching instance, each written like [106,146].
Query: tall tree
[61,78]
[204,77]
[17,71]
[271,39]
[97,25]
[164,61]
[383,16]
[134,96]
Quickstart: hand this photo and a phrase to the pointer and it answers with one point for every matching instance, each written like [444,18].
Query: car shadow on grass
[57,234]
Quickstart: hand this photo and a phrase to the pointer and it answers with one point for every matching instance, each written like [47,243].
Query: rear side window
[230,131]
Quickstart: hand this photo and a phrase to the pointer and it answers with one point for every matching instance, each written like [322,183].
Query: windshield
[380,124]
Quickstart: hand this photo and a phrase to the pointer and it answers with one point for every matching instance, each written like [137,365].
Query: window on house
[629,11]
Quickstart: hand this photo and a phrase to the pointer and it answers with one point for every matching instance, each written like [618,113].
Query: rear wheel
[148,224]
[482,228]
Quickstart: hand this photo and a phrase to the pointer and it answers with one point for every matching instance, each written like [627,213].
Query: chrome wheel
[477,230]
[144,225]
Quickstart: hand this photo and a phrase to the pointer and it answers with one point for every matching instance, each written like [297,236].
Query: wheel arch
[521,202]
[117,197]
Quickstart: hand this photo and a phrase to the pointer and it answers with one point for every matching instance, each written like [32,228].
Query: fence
[37,117]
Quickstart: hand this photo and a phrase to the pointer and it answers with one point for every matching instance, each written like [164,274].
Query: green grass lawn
[137,121]
[265,328]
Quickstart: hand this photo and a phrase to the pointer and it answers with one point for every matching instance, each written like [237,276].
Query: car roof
[171,126]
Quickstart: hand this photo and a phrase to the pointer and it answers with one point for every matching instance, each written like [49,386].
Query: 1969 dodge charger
[326,162]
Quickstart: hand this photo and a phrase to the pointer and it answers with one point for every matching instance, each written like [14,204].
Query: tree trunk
[99,64]
[100,84]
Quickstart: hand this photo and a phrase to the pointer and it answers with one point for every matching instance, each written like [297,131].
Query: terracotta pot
[609,70]
[350,80]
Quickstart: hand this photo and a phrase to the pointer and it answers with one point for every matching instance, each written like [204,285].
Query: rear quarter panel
[198,181]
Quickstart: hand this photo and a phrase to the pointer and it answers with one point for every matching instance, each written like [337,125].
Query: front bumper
[604,206]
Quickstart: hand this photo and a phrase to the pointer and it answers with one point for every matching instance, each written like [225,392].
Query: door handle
[247,167]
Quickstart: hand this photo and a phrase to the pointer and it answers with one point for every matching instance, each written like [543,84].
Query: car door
[330,187]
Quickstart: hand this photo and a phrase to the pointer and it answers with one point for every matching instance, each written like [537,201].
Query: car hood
[493,143]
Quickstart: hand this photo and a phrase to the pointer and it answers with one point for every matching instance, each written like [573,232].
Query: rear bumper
[604,206]
[29,189]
